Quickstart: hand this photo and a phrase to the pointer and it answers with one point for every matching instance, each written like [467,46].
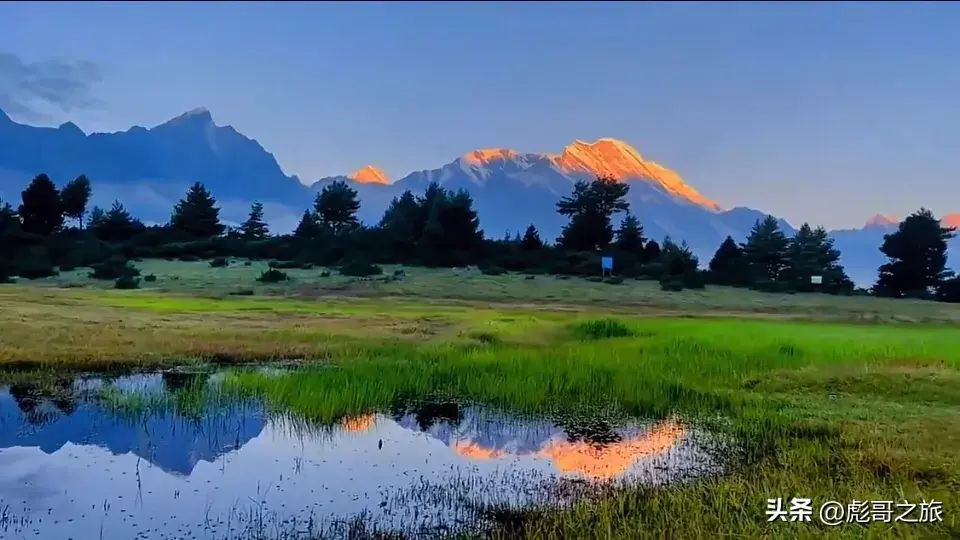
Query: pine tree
[766,250]
[336,207]
[74,198]
[196,215]
[400,224]
[728,265]
[918,256]
[308,228]
[651,252]
[589,209]
[630,236]
[116,225]
[254,228]
[811,253]
[9,220]
[531,240]
[41,212]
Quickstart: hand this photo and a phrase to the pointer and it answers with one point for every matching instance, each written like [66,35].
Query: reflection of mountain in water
[596,450]
[168,441]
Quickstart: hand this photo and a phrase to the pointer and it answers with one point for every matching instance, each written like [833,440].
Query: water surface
[68,463]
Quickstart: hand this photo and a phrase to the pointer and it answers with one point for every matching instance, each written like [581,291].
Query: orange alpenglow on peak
[881,219]
[485,156]
[370,175]
[617,159]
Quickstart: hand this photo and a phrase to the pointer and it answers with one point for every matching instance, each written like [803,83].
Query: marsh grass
[829,411]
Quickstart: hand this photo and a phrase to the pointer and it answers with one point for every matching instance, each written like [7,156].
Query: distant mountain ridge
[149,169]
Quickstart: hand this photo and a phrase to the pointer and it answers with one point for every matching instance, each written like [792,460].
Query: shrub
[594,279]
[36,264]
[219,262]
[189,258]
[68,267]
[114,268]
[149,278]
[306,266]
[529,277]
[770,286]
[242,292]
[613,280]
[360,269]
[284,265]
[272,276]
[325,273]
[671,285]
[694,280]
[603,329]
[247,263]
[127,282]
[492,270]
[399,273]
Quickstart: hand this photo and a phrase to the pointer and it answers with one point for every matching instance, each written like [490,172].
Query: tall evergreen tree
[651,252]
[9,220]
[589,209]
[917,253]
[336,207]
[766,250]
[728,265]
[254,228]
[116,225]
[197,215]
[811,253]
[41,212]
[678,259]
[308,228]
[401,224]
[531,240]
[630,236]
[74,198]
[97,215]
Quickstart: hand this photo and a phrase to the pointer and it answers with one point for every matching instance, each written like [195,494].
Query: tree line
[51,230]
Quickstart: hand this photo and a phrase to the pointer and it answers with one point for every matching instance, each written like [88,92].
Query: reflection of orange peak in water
[472,450]
[612,460]
[358,423]
[597,462]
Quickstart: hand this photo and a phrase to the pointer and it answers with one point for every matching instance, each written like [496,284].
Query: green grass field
[829,398]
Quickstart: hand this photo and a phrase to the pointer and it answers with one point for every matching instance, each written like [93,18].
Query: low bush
[273,276]
[114,268]
[360,269]
[492,270]
[219,262]
[149,278]
[127,282]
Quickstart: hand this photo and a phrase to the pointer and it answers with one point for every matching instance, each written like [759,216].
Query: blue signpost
[606,266]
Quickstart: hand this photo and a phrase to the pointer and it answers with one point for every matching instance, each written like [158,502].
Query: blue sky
[821,112]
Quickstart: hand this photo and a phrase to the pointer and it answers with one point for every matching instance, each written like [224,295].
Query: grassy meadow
[829,398]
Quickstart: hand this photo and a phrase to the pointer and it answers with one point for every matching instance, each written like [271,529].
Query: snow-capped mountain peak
[370,175]
[617,159]
[881,220]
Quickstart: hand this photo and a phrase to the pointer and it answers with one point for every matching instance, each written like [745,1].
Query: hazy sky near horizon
[824,112]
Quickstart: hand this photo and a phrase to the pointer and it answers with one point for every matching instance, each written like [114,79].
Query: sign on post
[606,265]
[816,280]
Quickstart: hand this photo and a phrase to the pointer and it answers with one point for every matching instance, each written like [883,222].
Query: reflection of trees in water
[30,398]
[428,413]
[176,381]
[596,431]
